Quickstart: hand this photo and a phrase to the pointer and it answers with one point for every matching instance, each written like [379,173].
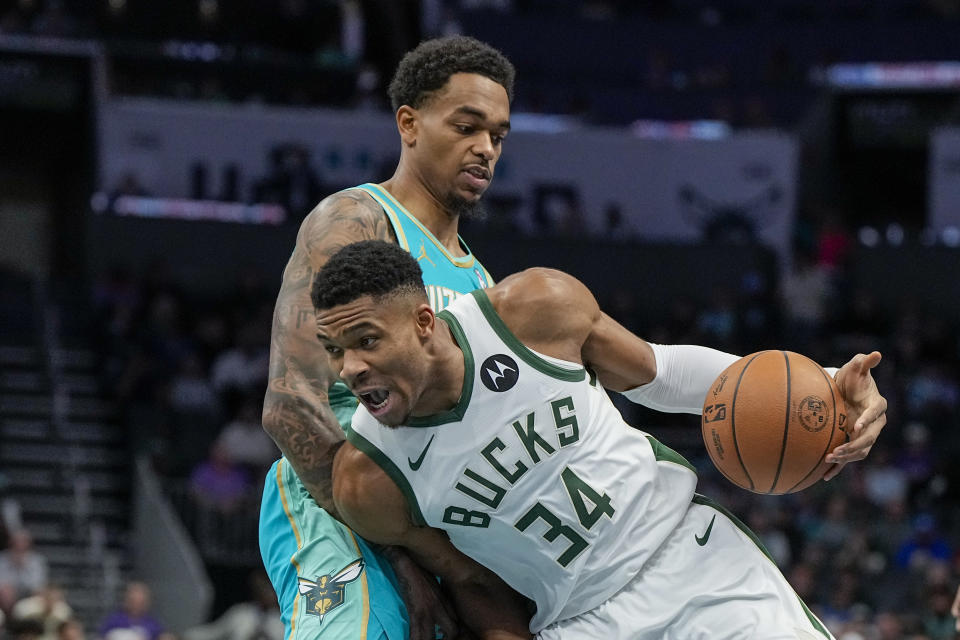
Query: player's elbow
[272,417]
[350,498]
[366,499]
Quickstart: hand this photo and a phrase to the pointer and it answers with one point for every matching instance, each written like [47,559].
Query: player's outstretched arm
[373,506]
[556,314]
[296,411]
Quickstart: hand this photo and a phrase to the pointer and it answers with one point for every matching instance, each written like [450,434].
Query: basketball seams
[733,420]
[833,428]
[786,427]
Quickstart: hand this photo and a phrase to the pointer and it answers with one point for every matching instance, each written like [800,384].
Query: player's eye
[367,341]
[332,350]
[464,128]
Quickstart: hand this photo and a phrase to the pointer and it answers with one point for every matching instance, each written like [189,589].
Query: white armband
[684,375]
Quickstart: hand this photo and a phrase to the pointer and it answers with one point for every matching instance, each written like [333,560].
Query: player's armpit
[373,506]
[296,411]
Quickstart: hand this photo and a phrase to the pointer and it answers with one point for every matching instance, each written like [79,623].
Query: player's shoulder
[349,202]
[545,307]
[347,216]
[536,286]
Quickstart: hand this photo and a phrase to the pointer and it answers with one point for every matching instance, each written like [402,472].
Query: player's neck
[446,374]
[417,199]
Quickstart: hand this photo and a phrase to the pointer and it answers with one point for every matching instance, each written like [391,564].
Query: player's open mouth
[375,399]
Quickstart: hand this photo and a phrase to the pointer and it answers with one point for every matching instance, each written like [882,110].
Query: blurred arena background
[734,173]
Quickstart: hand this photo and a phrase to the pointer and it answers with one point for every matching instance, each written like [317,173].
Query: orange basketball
[770,419]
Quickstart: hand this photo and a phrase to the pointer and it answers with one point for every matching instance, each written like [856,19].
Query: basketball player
[452,102]
[487,443]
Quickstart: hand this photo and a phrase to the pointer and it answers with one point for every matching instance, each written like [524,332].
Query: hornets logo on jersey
[327,592]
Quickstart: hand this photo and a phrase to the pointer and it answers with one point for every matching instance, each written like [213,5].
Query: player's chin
[470,196]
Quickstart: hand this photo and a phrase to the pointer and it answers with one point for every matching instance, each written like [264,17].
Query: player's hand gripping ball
[770,419]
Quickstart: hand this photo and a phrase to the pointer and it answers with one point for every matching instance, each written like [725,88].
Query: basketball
[770,419]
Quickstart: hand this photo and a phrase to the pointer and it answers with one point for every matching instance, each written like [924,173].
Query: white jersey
[534,474]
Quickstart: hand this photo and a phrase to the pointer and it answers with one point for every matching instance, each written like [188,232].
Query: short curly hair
[427,68]
[371,267]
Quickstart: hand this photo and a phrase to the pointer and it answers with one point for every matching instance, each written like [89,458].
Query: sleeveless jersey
[534,474]
[445,276]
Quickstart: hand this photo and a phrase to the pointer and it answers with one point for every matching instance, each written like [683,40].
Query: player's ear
[408,124]
[426,320]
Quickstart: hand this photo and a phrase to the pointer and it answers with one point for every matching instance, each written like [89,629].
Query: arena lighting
[183,209]
[542,122]
[890,75]
[681,129]
[895,234]
[202,51]
[950,236]
[868,236]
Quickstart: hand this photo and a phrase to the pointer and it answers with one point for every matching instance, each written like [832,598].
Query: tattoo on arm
[297,414]
[347,217]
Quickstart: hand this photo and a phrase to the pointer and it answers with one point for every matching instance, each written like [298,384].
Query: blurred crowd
[34,607]
[659,59]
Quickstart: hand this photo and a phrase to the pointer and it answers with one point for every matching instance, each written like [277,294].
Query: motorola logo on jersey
[499,372]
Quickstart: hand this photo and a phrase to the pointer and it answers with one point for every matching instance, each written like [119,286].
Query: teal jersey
[446,277]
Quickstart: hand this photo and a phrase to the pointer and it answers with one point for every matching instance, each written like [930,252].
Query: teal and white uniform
[535,475]
[308,555]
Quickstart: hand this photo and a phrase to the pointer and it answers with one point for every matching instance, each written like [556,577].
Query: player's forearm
[684,375]
[296,410]
[309,436]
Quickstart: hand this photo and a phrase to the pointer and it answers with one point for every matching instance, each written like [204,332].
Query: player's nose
[353,367]
[483,147]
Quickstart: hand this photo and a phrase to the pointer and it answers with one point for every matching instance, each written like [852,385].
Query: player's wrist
[684,376]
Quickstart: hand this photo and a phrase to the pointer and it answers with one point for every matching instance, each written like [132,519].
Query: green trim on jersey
[455,414]
[709,502]
[665,454]
[520,349]
[391,470]
[593,378]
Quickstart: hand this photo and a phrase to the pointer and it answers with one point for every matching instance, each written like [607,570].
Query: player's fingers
[833,471]
[860,443]
[875,412]
[867,361]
